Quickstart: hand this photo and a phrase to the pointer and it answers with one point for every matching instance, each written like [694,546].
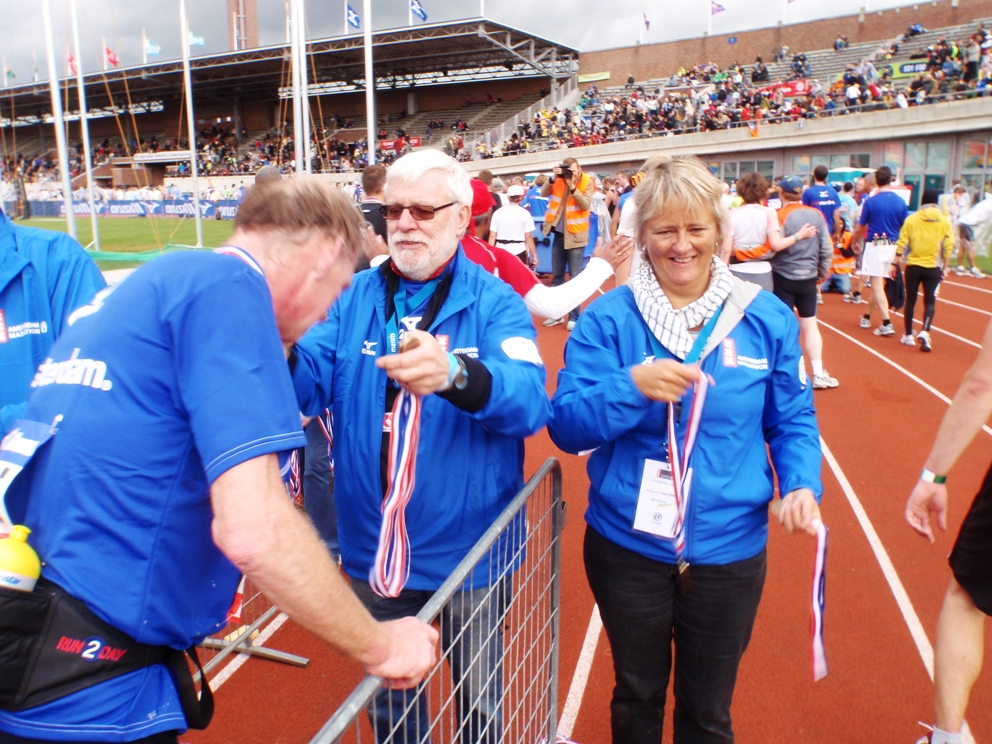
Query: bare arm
[969,410]
[260,532]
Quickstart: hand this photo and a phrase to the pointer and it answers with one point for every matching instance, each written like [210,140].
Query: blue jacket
[44,276]
[469,465]
[760,397]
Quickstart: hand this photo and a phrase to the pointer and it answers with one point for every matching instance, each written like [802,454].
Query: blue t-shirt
[883,214]
[848,208]
[164,383]
[824,197]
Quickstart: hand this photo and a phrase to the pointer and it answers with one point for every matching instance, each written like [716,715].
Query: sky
[593,24]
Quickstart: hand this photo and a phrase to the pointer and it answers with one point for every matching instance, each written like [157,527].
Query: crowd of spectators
[706,97]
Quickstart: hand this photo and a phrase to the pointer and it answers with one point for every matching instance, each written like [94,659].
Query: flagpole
[294,59]
[409,13]
[3,64]
[190,121]
[58,121]
[304,88]
[709,17]
[144,47]
[369,85]
[288,36]
[785,7]
[482,8]
[345,28]
[103,39]
[84,124]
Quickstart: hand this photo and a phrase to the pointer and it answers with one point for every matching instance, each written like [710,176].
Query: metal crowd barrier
[240,635]
[497,676]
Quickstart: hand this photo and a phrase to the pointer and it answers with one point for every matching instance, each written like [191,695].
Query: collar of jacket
[460,295]
[12,261]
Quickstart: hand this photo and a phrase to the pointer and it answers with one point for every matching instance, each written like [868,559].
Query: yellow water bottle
[19,564]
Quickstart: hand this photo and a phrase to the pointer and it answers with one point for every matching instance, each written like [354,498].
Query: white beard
[419,264]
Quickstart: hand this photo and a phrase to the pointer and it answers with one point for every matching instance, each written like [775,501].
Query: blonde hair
[674,183]
[301,205]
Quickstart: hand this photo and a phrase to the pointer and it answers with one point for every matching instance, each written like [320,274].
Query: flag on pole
[647,23]
[73,68]
[418,10]
[353,20]
[151,48]
[194,40]
[715,7]
[8,74]
[34,57]
[112,59]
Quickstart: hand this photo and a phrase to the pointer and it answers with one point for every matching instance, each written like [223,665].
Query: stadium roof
[429,54]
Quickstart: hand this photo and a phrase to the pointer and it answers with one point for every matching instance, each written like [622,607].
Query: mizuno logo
[369,349]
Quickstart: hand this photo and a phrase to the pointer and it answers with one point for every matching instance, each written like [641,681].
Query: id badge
[657,512]
[16,449]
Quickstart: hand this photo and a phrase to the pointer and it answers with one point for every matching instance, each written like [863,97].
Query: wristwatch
[460,381]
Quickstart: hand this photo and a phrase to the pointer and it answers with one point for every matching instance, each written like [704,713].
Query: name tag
[657,512]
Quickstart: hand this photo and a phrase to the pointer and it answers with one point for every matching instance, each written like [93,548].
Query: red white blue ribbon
[681,474]
[295,484]
[391,569]
[819,601]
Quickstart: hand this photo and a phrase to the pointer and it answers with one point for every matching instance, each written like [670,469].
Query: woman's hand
[664,380]
[797,510]
[805,232]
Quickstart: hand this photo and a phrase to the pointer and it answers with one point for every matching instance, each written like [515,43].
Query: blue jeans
[837,283]
[644,611]
[318,488]
[559,258]
[472,638]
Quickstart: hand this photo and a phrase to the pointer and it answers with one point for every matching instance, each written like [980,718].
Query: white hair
[415,165]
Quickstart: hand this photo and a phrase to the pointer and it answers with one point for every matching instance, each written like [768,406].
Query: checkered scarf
[671,326]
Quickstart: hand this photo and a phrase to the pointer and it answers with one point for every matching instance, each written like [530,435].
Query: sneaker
[553,322]
[571,325]
[819,297]
[923,339]
[823,381]
[975,271]
[908,339]
[885,330]
[960,270]
[865,322]
[925,739]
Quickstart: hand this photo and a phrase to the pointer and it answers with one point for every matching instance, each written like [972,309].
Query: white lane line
[581,676]
[905,371]
[964,307]
[962,339]
[238,661]
[966,286]
[889,571]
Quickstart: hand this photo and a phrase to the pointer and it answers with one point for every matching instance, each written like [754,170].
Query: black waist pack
[52,645]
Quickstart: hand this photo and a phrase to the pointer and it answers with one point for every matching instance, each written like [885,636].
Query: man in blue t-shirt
[882,215]
[173,410]
[824,197]
[44,276]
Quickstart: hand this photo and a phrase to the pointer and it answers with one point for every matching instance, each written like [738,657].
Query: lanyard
[679,461]
[16,449]
[400,304]
[233,250]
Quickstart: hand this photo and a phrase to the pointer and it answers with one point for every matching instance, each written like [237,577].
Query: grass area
[137,234]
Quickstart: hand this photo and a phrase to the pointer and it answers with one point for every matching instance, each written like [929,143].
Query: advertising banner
[227,209]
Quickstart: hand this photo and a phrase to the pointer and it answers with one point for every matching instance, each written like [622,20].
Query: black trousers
[929,278]
[644,615]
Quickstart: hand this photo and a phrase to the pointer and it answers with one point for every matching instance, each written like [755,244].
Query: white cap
[515,190]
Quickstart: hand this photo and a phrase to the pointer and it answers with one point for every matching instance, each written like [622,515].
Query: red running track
[879,425]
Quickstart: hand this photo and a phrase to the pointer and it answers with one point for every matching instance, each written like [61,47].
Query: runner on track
[960,625]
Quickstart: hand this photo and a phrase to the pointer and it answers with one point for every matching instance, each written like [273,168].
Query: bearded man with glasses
[432,323]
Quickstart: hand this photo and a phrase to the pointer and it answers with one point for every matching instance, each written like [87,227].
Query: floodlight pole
[84,122]
[294,58]
[304,86]
[58,120]
[190,121]
[369,85]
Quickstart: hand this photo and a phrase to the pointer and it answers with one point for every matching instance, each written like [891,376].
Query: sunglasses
[419,212]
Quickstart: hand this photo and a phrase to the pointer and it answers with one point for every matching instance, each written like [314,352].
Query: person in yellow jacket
[570,197]
[924,251]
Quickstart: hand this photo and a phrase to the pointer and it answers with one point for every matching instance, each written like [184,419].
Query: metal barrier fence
[497,677]
[241,633]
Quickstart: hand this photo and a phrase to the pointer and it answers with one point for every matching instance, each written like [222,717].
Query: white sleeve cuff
[555,302]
